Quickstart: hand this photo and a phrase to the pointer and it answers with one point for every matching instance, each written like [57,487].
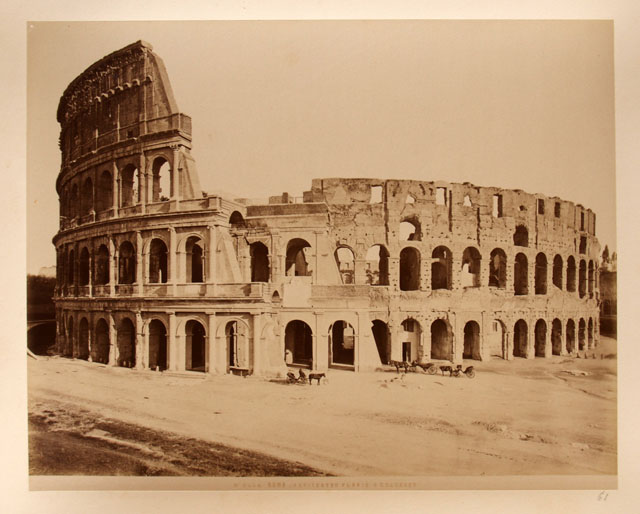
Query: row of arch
[82,197]
[94,343]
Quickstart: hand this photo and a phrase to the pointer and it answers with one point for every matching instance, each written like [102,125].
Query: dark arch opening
[540,338]
[377,266]
[571,274]
[236,220]
[102,266]
[83,339]
[195,262]
[582,329]
[196,348]
[126,344]
[126,263]
[297,264]
[557,271]
[441,343]
[591,279]
[520,339]
[520,275]
[471,341]
[541,274]
[498,269]
[471,265]
[129,186]
[381,336]
[582,279]
[100,348]
[521,236]
[157,262]
[590,334]
[298,344]
[161,186]
[157,345]
[571,336]
[556,337]
[342,343]
[409,269]
[441,268]
[259,262]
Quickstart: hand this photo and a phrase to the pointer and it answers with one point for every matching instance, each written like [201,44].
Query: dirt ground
[525,417]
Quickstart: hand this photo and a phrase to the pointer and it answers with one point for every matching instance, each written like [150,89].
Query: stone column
[113,341]
[140,353]
[531,338]
[531,274]
[212,247]
[175,175]
[142,183]
[173,265]
[113,267]
[508,335]
[548,344]
[257,344]
[91,270]
[213,358]
[172,353]
[115,194]
[139,264]
[90,337]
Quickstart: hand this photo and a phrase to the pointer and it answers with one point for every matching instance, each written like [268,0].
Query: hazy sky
[525,105]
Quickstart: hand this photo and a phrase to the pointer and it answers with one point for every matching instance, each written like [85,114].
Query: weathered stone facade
[154,273]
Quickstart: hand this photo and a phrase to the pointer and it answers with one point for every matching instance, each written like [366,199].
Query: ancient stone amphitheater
[153,273]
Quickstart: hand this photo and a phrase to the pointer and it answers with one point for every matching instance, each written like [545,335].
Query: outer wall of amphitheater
[153,273]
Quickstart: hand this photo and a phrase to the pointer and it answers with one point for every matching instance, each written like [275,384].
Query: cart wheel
[471,373]
[432,370]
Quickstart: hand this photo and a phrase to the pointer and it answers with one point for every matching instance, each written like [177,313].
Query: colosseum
[155,274]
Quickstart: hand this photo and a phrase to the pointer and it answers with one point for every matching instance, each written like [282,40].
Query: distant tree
[605,254]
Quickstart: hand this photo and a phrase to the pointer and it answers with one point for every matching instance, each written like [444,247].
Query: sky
[523,105]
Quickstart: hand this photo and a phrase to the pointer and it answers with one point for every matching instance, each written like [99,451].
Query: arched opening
[84,267]
[126,344]
[73,202]
[497,341]
[410,230]
[520,339]
[71,340]
[86,201]
[498,269]
[342,338]
[157,262]
[236,220]
[582,334]
[237,354]
[521,236]
[409,269]
[571,336]
[195,346]
[161,187]
[441,343]
[556,337]
[471,341]
[377,271]
[259,262]
[83,339]
[275,297]
[582,279]
[410,339]
[158,345]
[194,255]
[104,194]
[441,268]
[126,263]
[590,334]
[380,332]
[541,274]
[71,267]
[520,275]
[591,279]
[471,264]
[298,344]
[557,271]
[100,347]
[571,274]
[540,338]
[129,186]
[346,264]
[102,266]
[297,263]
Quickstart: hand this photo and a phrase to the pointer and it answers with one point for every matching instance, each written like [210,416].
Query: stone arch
[571,336]
[195,346]
[520,339]
[101,272]
[571,274]
[498,269]
[520,275]
[557,271]
[126,343]
[236,333]
[591,278]
[158,345]
[101,345]
[441,263]
[471,349]
[161,189]
[556,337]
[297,263]
[541,274]
[84,267]
[298,344]
[409,269]
[345,260]
[158,261]
[83,339]
[71,267]
[582,279]
[342,341]
[471,265]
[377,262]
[129,185]
[540,343]
[194,253]
[259,262]
[71,337]
[410,229]
[380,331]
[521,236]
[86,200]
[236,220]
[126,263]
[411,339]
[590,339]
[104,192]
[582,335]
[441,340]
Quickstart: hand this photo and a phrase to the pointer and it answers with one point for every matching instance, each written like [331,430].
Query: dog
[446,368]
[316,376]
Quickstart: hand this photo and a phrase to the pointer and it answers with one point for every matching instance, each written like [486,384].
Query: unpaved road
[523,417]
